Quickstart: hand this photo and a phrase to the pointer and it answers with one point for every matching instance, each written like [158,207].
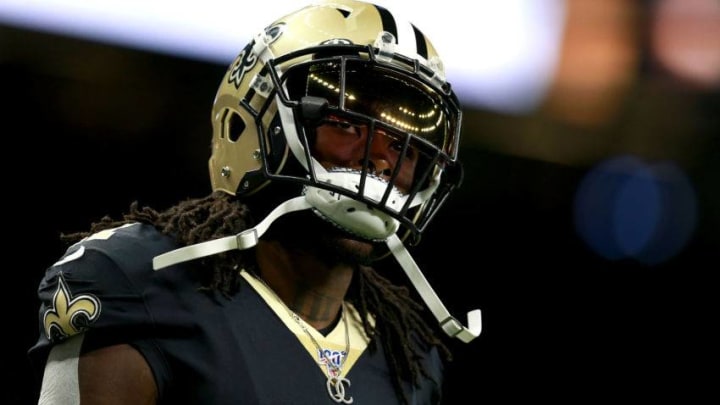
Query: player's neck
[309,287]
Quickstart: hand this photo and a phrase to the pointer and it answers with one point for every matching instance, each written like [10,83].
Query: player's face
[340,143]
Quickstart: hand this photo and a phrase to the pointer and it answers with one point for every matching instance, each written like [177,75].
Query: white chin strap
[243,240]
[449,324]
[250,237]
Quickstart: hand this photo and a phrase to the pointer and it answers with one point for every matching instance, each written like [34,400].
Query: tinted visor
[394,98]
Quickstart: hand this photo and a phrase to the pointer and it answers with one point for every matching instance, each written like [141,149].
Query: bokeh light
[626,208]
[686,40]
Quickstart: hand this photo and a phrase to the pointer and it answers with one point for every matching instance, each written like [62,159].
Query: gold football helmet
[349,63]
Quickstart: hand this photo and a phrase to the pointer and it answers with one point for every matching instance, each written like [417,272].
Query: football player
[335,141]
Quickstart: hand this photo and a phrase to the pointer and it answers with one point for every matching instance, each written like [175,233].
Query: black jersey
[204,348]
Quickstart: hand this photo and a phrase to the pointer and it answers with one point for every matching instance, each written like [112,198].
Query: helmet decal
[244,63]
[247,59]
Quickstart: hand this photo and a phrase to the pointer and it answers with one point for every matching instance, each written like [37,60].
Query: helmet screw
[256,154]
[225,171]
[246,184]
[277,130]
[387,37]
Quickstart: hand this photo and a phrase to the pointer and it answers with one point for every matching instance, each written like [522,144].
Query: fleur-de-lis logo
[243,63]
[247,59]
[69,315]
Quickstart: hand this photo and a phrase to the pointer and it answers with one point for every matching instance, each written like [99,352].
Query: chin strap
[250,237]
[449,324]
[244,240]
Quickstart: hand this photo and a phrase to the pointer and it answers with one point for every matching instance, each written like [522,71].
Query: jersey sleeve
[98,288]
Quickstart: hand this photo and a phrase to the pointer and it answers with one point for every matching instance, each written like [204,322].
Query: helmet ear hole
[235,127]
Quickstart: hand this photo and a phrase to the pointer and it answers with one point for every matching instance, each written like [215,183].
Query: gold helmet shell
[258,130]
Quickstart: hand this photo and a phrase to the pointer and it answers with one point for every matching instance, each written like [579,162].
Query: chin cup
[357,216]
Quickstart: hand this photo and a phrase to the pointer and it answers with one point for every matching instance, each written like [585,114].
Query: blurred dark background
[587,230]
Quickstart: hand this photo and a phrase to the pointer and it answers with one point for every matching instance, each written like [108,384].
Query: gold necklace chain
[335,383]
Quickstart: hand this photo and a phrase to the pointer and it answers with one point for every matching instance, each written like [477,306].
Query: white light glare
[498,54]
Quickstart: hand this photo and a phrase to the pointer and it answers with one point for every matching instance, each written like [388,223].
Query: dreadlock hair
[401,325]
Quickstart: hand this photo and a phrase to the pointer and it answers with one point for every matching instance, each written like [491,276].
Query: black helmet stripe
[389,25]
[420,43]
[388,22]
